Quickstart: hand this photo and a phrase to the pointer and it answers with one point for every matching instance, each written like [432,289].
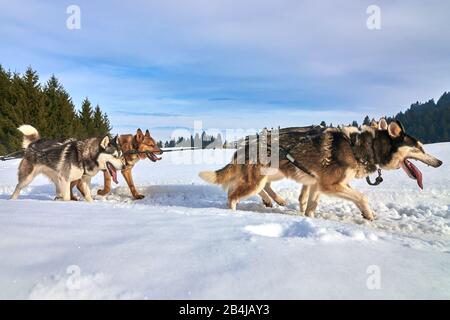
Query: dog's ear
[147,133]
[374,124]
[139,135]
[104,143]
[116,139]
[382,124]
[394,129]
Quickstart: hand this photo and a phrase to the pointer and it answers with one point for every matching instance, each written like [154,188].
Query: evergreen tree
[180,142]
[197,141]
[9,136]
[27,99]
[59,110]
[366,121]
[218,142]
[100,122]
[204,142]
[85,117]
[106,124]
[97,121]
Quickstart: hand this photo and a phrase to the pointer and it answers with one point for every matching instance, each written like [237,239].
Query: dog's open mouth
[413,172]
[152,156]
[112,172]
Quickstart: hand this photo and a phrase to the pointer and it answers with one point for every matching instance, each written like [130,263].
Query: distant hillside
[429,121]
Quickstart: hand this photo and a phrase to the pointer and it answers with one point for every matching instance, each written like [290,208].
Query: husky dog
[64,161]
[333,158]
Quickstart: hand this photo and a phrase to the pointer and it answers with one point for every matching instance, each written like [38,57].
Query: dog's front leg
[278,199]
[303,198]
[58,190]
[129,179]
[64,187]
[107,184]
[348,193]
[265,199]
[76,183]
[313,200]
[85,188]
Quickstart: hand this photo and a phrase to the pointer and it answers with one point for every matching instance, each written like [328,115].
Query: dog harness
[285,154]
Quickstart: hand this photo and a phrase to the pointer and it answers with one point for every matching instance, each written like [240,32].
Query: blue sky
[234,64]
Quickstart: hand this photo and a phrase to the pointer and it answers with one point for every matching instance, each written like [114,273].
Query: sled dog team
[323,160]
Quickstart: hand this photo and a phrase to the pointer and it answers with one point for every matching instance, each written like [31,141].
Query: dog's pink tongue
[114,176]
[112,172]
[417,173]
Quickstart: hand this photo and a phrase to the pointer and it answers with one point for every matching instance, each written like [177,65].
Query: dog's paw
[268,204]
[138,196]
[309,214]
[102,192]
[281,202]
[369,216]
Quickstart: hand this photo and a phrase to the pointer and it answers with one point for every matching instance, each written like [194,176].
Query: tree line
[47,107]
[203,141]
[428,121]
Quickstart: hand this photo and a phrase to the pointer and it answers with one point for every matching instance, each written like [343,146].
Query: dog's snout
[435,163]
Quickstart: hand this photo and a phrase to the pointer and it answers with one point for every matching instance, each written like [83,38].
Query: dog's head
[398,148]
[111,157]
[146,145]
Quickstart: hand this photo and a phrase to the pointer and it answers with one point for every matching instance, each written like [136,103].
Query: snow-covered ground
[181,242]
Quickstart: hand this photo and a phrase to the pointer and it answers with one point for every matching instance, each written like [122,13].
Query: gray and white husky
[64,161]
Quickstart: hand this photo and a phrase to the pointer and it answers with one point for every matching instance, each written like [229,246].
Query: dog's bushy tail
[222,176]
[30,134]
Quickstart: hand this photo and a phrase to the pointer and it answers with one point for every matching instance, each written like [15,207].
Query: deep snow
[182,242]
